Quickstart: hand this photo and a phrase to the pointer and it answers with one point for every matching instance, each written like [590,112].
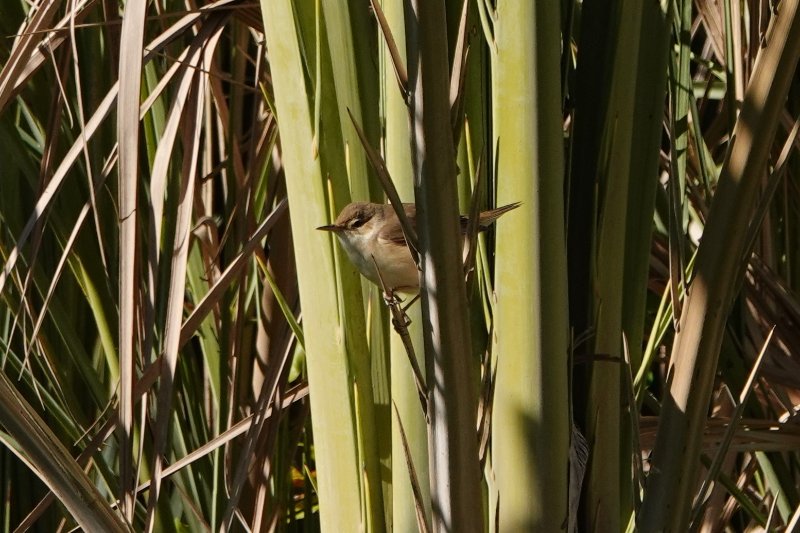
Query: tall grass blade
[130,71]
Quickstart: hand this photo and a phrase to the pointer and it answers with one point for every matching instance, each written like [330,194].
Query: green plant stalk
[720,258]
[473,151]
[681,86]
[648,103]
[531,407]
[627,157]
[366,52]
[338,30]
[455,476]
[597,44]
[609,479]
[403,389]
[333,148]
[649,87]
[348,90]
[596,48]
[332,308]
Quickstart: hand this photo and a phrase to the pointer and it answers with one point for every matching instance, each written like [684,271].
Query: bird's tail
[487,218]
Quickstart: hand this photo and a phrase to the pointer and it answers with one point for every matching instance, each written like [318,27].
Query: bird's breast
[397,268]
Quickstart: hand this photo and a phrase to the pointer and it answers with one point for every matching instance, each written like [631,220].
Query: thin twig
[397,62]
[400,322]
[419,505]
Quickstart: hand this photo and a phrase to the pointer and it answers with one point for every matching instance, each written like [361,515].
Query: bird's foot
[391,298]
[400,319]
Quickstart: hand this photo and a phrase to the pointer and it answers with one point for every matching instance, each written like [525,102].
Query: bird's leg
[400,319]
[400,322]
[390,298]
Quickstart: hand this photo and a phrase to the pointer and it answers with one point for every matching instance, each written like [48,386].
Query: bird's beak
[329,227]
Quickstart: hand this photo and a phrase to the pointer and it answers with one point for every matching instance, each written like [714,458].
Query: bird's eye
[357,222]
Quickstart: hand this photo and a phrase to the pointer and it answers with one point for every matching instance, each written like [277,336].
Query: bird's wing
[393,233]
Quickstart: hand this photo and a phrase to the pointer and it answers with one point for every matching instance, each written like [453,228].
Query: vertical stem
[531,424]
[404,391]
[453,448]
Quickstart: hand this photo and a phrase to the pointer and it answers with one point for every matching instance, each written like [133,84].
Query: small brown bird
[369,231]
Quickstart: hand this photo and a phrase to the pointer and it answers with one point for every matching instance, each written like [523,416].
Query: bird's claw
[391,298]
[400,319]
